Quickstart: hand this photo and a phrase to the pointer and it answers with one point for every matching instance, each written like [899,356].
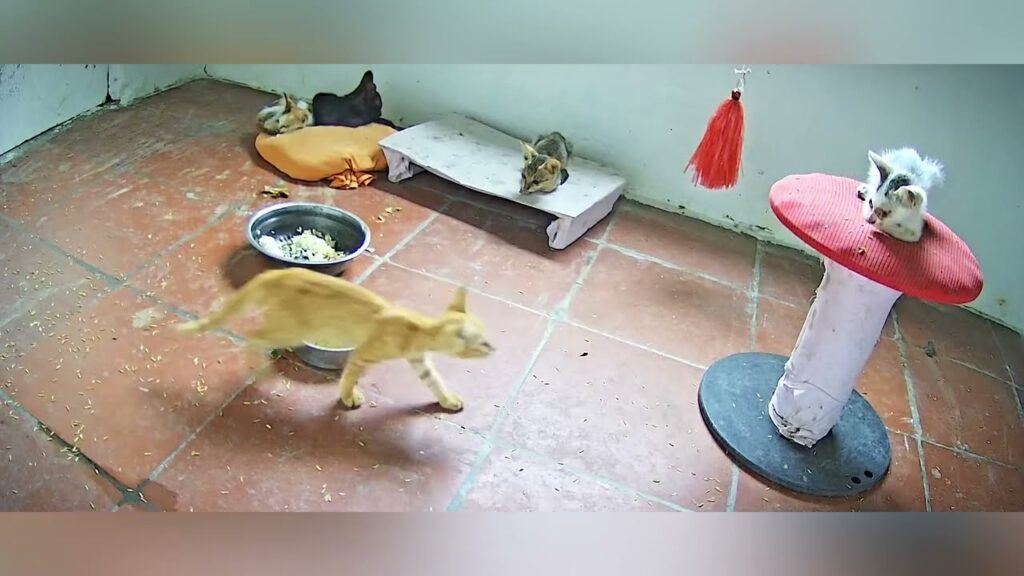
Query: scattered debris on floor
[389,211]
[929,349]
[275,192]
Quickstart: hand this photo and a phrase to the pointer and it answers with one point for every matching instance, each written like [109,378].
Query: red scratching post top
[824,211]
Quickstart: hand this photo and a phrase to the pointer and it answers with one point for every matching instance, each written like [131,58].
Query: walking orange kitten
[300,306]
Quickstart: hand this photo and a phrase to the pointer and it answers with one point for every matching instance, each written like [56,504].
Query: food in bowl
[327,344]
[305,246]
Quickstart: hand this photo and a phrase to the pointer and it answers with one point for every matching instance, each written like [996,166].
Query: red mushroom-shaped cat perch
[813,433]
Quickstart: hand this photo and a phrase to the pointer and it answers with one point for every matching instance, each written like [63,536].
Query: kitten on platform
[895,195]
[545,163]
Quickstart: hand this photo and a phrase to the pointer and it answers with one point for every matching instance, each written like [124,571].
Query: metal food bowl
[326,358]
[281,221]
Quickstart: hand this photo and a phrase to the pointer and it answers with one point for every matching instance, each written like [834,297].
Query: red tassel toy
[716,162]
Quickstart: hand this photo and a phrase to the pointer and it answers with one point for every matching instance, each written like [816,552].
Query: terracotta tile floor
[126,221]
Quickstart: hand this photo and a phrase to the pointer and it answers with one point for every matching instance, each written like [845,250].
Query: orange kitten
[300,306]
[285,115]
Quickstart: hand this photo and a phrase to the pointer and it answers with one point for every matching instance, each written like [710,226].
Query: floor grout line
[1006,381]
[470,289]
[561,311]
[111,280]
[754,294]
[459,499]
[386,258]
[28,304]
[1018,387]
[967,454]
[506,407]
[38,425]
[499,420]
[549,316]
[219,412]
[734,487]
[665,263]
[116,283]
[174,246]
[915,416]
[643,347]
[1005,355]
[759,252]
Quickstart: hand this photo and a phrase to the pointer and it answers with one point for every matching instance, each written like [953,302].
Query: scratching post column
[838,336]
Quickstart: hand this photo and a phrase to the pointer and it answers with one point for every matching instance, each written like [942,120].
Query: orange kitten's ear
[553,165]
[528,151]
[459,302]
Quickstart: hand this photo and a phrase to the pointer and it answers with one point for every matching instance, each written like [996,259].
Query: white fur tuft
[932,173]
[926,172]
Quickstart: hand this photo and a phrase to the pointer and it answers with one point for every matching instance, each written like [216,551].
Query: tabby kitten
[545,163]
[301,305]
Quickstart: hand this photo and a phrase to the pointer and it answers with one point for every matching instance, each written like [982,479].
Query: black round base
[733,399]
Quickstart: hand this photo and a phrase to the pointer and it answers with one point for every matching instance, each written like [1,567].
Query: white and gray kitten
[896,192]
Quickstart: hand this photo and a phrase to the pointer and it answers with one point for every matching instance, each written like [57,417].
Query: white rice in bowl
[306,245]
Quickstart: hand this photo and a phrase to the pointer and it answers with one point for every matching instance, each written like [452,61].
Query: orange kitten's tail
[234,305]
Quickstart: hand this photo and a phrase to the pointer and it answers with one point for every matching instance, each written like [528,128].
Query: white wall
[129,82]
[646,120]
[37,97]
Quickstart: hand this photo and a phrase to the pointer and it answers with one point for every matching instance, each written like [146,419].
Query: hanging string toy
[716,162]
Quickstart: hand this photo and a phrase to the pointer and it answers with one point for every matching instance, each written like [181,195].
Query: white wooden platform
[483,159]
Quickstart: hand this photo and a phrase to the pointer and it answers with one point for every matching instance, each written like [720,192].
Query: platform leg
[400,167]
[565,230]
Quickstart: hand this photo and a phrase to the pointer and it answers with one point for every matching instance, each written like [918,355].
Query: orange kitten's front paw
[452,403]
[355,400]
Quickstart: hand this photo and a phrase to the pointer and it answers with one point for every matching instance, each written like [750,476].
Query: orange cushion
[824,211]
[319,152]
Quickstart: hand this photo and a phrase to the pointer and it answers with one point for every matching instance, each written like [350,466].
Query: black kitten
[357,108]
